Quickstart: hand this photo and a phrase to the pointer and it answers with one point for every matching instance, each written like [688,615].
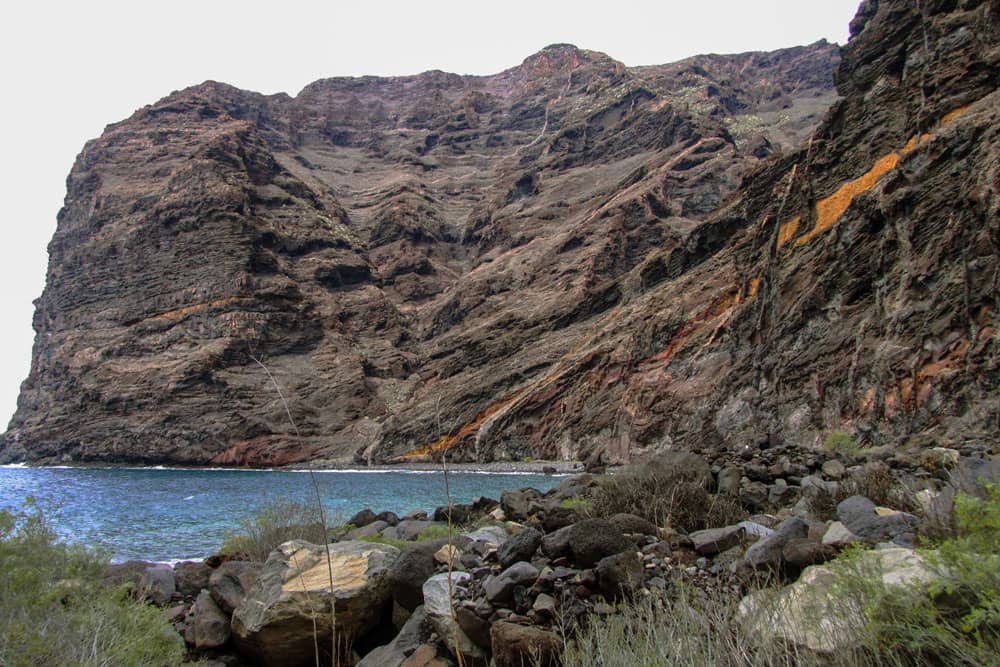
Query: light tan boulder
[287,611]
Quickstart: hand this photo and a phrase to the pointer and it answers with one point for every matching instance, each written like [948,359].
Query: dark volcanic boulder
[519,645]
[414,565]
[191,577]
[520,546]
[591,540]
[862,518]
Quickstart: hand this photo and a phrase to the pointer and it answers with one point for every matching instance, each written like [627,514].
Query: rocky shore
[514,579]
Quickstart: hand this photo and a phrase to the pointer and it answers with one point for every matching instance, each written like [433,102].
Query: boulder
[834,469]
[493,536]
[129,572]
[289,606]
[556,545]
[716,540]
[210,624]
[362,518]
[767,552]
[368,530]
[230,582]
[519,645]
[437,604]
[520,546]
[801,552]
[191,576]
[555,518]
[498,588]
[405,643]
[390,518]
[620,575]
[474,626]
[861,517]
[810,613]
[157,584]
[838,535]
[591,540]
[519,505]
[630,523]
[414,565]
[728,480]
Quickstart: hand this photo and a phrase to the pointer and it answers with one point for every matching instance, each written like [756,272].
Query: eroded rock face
[374,243]
[274,623]
[570,259]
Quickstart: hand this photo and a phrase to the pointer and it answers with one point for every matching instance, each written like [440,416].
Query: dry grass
[665,496]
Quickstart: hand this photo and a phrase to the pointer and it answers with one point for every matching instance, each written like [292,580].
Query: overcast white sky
[67,69]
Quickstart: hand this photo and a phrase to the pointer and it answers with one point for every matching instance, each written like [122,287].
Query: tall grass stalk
[322,516]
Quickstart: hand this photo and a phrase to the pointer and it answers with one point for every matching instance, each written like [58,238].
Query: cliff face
[570,259]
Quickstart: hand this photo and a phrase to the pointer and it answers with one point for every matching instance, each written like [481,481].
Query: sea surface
[167,514]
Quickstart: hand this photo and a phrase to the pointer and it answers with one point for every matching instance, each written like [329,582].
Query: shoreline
[493,467]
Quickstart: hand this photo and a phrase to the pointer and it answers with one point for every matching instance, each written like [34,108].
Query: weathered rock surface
[274,624]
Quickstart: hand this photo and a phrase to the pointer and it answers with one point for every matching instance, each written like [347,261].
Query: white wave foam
[22,464]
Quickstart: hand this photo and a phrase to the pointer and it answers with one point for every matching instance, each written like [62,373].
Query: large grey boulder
[437,604]
[289,606]
[716,540]
[816,614]
[191,576]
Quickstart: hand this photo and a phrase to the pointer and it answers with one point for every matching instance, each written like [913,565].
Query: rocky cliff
[570,259]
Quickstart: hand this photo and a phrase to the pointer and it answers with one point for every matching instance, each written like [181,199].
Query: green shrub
[953,621]
[428,533]
[55,608]
[276,522]
[665,495]
[840,442]
[578,505]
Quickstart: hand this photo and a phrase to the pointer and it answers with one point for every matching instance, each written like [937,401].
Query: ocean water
[172,514]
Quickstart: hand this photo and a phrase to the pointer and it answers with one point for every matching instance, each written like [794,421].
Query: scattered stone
[368,530]
[437,604]
[556,545]
[714,540]
[838,535]
[500,587]
[448,553]
[519,505]
[393,654]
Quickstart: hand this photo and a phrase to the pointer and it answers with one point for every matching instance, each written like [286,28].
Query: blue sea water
[170,514]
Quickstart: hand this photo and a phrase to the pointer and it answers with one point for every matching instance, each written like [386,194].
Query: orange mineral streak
[720,306]
[787,230]
[180,313]
[829,210]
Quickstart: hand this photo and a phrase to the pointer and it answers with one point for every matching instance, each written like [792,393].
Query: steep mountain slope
[554,261]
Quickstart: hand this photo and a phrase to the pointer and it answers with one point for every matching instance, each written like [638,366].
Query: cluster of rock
[534,568]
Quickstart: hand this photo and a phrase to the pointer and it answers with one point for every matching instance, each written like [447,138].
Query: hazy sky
[67,69]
